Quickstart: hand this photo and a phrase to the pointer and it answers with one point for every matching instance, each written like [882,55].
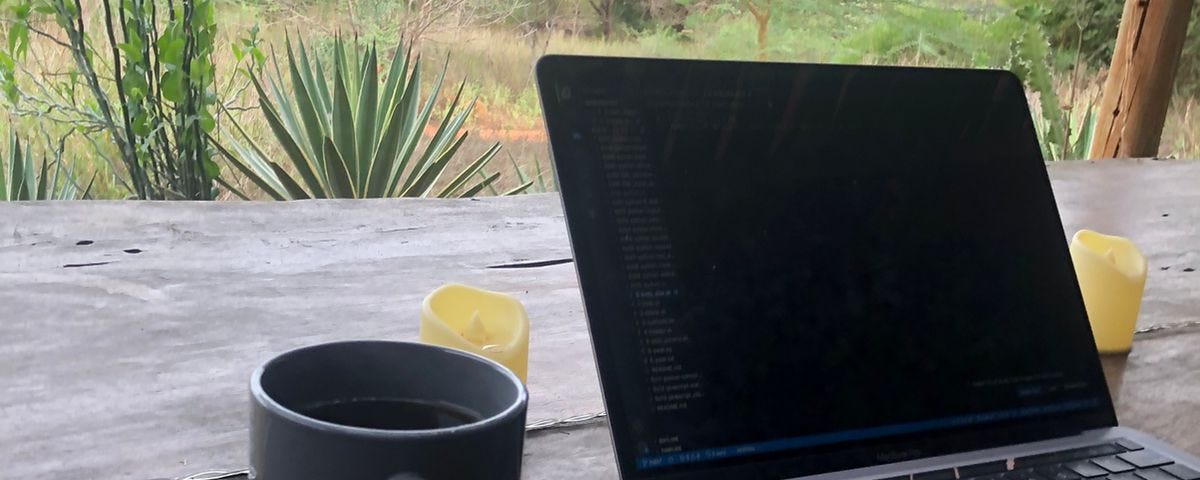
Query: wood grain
[1141,78]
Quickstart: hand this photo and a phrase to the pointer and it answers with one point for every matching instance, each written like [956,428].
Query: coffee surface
[391,413]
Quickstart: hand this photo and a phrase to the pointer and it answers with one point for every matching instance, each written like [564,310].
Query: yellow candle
[1112,276]
[490,324]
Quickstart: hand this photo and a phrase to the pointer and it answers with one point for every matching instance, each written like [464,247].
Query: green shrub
[146,80]
[354,133]
[893,32]
[1089,28]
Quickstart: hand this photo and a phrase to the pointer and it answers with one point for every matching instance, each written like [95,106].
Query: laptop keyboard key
[1144,458]
[1113,464]
[1181,472]
[1154,474]
[1121,460]
[1087,469]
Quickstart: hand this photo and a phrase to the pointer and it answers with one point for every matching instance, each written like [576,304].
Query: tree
[761,11]
[635,15]
[423,14]
[604,10]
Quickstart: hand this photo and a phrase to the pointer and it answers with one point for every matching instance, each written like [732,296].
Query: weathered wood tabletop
[128,330]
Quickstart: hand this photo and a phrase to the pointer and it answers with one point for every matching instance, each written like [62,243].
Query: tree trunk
[762,34]
[608,20]
[762,19]
[1141,78]
[353,18]
[605,11]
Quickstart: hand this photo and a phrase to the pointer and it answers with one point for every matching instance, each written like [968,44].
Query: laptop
[829,272]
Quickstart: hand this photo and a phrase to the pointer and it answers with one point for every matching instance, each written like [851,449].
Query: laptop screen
[793,269]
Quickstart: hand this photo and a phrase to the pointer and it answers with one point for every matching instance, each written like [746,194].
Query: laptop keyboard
[1120,460]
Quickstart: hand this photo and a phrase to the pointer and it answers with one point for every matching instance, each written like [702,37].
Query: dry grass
[1181,134]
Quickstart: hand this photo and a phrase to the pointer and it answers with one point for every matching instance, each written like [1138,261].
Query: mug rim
[266,401]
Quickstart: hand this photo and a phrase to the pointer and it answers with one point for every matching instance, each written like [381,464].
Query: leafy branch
[149,85]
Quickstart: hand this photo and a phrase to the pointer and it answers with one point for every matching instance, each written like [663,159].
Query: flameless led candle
[1112,277]
[490,324]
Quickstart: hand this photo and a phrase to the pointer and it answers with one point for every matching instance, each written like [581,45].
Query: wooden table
[128,330]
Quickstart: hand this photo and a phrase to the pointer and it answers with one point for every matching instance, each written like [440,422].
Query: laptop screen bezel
[576,204]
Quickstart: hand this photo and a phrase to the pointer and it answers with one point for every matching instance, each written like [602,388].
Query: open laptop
[831,272]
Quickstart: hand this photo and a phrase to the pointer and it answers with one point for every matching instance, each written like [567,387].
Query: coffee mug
[378,410]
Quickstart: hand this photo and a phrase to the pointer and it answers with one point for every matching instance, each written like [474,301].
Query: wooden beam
[1141,78]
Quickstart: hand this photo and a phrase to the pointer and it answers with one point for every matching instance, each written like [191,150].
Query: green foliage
[149,85]
[8,84]
[805,30]
[1029,56]
[355,133]
[539,183]
[913,33]
[247,49]
[894,32]
[22,179]
[1088,28]
[1007,37]
[1078,133]
[16,16]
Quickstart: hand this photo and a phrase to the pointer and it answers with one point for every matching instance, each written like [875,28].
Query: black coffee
[391,413]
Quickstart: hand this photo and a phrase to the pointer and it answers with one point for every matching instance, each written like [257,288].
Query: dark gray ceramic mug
[305,425]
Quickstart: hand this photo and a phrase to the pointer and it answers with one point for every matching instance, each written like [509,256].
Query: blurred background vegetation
[225,141]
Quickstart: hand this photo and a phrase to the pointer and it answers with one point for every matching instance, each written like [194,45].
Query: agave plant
[536,184]
[22,179]
[355,133]
[1077,136]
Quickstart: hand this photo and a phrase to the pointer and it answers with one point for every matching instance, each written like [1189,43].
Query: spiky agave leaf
[355,133]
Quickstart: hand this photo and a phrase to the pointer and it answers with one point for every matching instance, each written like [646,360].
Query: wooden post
[1141,79]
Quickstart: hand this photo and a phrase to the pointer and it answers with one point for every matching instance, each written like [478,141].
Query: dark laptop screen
[784,262]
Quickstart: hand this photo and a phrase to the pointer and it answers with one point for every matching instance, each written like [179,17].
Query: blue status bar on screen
[717,453]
